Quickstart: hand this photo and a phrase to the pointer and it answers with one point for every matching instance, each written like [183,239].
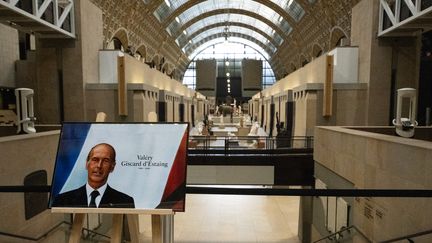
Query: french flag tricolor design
[175,189]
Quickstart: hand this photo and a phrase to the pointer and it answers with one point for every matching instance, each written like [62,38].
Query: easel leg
[75,235]
[156,229]
[133,224]
[163,228]
[116,232]
[169,228]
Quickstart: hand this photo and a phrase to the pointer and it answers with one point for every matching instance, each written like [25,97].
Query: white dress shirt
[101,191]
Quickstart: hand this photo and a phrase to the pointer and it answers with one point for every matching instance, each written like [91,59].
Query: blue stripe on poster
[72,139]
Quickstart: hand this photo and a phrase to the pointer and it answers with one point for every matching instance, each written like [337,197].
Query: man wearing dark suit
[96,192]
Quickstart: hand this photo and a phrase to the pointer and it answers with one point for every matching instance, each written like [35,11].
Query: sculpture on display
[255,118]
[278,125]
[225,110]
[283,136]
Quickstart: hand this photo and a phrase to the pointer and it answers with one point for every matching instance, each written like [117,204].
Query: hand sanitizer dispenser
[25,112]
[405,126]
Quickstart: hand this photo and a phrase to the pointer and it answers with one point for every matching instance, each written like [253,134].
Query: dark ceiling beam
[232,11]
[304,4]
[215,25]
[153,5]
[280,11]
[194,46]
[180,10]
[191,3]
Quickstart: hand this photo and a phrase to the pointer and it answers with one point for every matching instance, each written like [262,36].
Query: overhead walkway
[47,19]
[404,18]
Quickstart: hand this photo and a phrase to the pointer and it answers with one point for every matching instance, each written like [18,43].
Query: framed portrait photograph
[121,165]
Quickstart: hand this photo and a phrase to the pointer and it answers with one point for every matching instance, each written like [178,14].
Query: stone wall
[22,155]
[347,107]
[9,53]
[379,59]
[378,161]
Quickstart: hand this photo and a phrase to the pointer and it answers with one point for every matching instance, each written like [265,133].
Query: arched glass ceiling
[292,8]
[221,40]
[227,30]
[163,11]
[231,18]
[223,51]
[233,31]
[184,19]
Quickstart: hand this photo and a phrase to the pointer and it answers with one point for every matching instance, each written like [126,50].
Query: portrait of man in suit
[96,193]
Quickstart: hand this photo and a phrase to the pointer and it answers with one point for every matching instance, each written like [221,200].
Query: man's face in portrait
[100,163]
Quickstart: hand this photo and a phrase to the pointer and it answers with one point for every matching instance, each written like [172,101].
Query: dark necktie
[93,196]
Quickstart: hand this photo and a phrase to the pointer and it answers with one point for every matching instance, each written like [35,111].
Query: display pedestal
[162,223]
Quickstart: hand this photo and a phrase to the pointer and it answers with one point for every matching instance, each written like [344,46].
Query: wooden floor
[232,218]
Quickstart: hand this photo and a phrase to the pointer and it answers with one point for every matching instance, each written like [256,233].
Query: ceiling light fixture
[167,2]
[226,32]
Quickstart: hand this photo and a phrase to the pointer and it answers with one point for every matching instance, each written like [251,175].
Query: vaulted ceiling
[290,32]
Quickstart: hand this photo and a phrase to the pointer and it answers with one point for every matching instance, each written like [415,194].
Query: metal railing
[89,233]
[257,190]
[339,235]
[38,238]
[409,237]
[249,142]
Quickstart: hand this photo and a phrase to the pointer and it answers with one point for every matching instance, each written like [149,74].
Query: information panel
[127,165]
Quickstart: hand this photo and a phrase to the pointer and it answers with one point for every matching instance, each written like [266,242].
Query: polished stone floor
[214,218]
[233,218]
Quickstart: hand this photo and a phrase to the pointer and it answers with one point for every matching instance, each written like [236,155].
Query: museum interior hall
[216,121]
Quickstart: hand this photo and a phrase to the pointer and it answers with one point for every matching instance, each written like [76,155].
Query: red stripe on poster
[177,174]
